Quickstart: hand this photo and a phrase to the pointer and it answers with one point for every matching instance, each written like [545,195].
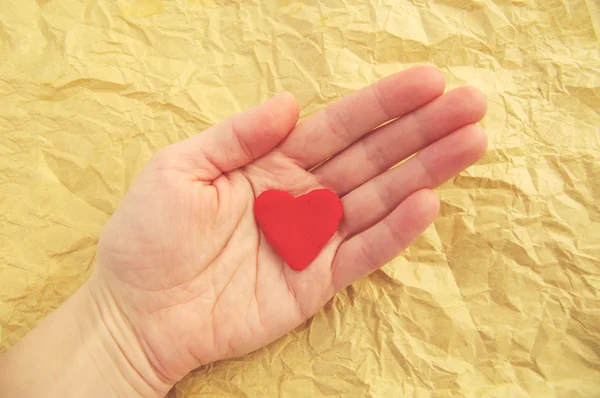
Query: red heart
[298,228]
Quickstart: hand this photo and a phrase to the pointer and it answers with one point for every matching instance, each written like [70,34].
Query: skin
[185,277]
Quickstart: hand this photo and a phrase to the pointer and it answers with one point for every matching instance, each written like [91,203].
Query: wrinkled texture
[500,297]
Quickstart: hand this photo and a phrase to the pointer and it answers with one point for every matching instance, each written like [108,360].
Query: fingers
[346,120]
[394,142]
[236,141]
[371,249]
[371,202]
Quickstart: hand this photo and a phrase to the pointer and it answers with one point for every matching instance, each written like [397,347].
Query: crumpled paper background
[500,298]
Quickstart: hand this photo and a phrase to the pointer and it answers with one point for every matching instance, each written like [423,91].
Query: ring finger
[373,201]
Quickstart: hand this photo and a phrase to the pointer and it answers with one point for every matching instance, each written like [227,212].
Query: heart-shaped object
[298,228]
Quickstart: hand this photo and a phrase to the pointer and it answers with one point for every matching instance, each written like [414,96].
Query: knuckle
[269,119]
[366,257]
[337,124]
[385,192]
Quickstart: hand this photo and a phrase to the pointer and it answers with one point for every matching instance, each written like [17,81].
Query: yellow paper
[499,298]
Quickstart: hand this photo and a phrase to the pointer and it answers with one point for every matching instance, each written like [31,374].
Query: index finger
[345,121]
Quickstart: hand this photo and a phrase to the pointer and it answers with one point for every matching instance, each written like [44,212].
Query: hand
[183,262]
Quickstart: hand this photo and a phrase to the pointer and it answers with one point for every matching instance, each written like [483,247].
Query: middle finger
[394,142]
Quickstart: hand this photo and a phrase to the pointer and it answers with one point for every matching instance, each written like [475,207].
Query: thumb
[236,141]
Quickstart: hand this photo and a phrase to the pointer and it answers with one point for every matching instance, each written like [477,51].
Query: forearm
[80,350]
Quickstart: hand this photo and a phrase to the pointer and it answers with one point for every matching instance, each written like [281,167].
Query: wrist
[82,349]
[124,355]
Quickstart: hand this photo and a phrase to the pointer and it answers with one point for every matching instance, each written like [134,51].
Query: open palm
[184,259]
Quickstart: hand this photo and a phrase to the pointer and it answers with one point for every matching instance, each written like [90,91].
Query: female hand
[182,262]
